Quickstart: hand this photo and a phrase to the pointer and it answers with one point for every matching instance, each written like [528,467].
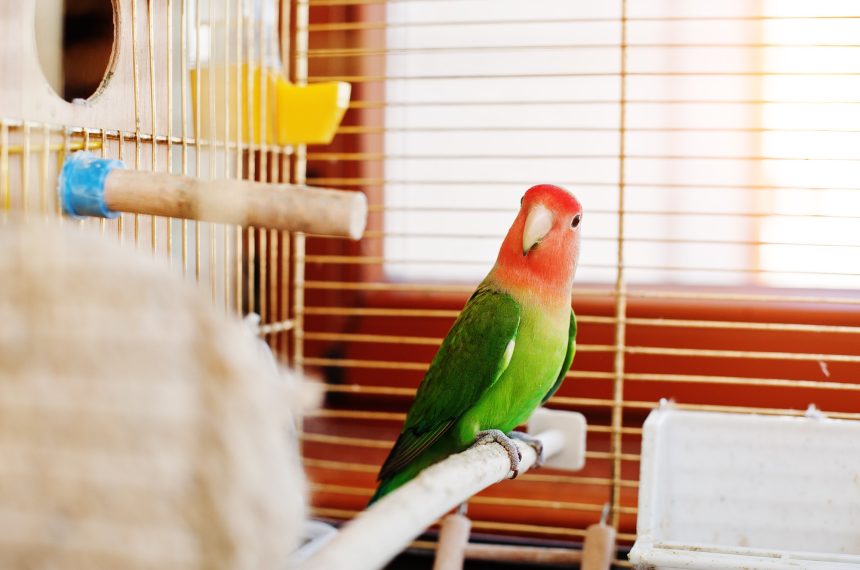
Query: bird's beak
[538,223]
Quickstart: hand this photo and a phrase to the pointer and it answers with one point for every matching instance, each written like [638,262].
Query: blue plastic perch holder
[82,185]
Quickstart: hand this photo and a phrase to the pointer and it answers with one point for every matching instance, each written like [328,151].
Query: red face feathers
[539,253]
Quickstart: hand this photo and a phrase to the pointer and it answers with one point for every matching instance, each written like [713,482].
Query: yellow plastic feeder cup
[310,114]
[256,121]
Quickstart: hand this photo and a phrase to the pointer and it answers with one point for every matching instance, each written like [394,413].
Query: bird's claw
[497,436]
[532,442]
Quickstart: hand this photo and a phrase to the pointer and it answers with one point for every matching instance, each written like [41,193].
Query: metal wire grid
[242,269]
[338,31]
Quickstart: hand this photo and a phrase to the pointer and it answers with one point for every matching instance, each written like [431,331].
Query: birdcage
[712,145]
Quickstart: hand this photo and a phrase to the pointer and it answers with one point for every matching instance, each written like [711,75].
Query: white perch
[378,534]
[453,540]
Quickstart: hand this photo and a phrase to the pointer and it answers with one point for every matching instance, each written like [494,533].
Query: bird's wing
[472,357]
[568,358]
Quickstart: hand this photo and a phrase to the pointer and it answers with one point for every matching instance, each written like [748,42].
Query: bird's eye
[575,221]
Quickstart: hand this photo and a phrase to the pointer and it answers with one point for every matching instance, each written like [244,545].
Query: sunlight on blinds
[823,134]
[730,180]
[479,113]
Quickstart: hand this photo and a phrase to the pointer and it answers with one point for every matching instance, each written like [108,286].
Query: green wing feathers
[568,358]
[469,361]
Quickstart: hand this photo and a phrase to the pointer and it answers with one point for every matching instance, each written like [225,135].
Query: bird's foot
[532,442]
[497,436]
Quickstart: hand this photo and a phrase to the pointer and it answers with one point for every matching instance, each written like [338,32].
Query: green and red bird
[507,352]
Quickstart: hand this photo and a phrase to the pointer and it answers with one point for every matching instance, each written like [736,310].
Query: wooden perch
[378,534]
[91,186]
[274,206]
[453,539]
[453,547]
[523,554]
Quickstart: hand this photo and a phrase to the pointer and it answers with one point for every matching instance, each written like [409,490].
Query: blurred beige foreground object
[139,427]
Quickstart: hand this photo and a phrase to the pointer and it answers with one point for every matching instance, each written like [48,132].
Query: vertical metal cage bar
[5,193]
[85,144]
[25,169]
[620,288]
[198,130]
[136,87]
[64,152]
[44,171]
[299,177]
[250,94]
[282,345]
[169,106]
[153,110]
[104,153]
[263,72]
[240,152]
[225,229]
[183,116]
[120,221]
[212,156]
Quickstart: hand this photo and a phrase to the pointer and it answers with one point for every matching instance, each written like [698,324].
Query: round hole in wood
[75,41]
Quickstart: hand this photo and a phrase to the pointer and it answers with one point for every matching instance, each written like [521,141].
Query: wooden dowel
[598,550]
[525,554]
[453,538]
[511,553]
[238,202]
[375,536]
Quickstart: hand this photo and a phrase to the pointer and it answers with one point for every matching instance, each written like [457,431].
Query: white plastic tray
[748,491]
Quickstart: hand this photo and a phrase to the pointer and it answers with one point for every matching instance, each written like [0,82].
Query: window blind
[713,146]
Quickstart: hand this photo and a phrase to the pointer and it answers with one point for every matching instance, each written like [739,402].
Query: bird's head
[542,247]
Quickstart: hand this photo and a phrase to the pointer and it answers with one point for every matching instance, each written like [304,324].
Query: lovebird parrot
[507,352]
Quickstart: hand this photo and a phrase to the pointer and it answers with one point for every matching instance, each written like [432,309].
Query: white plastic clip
[572,426]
